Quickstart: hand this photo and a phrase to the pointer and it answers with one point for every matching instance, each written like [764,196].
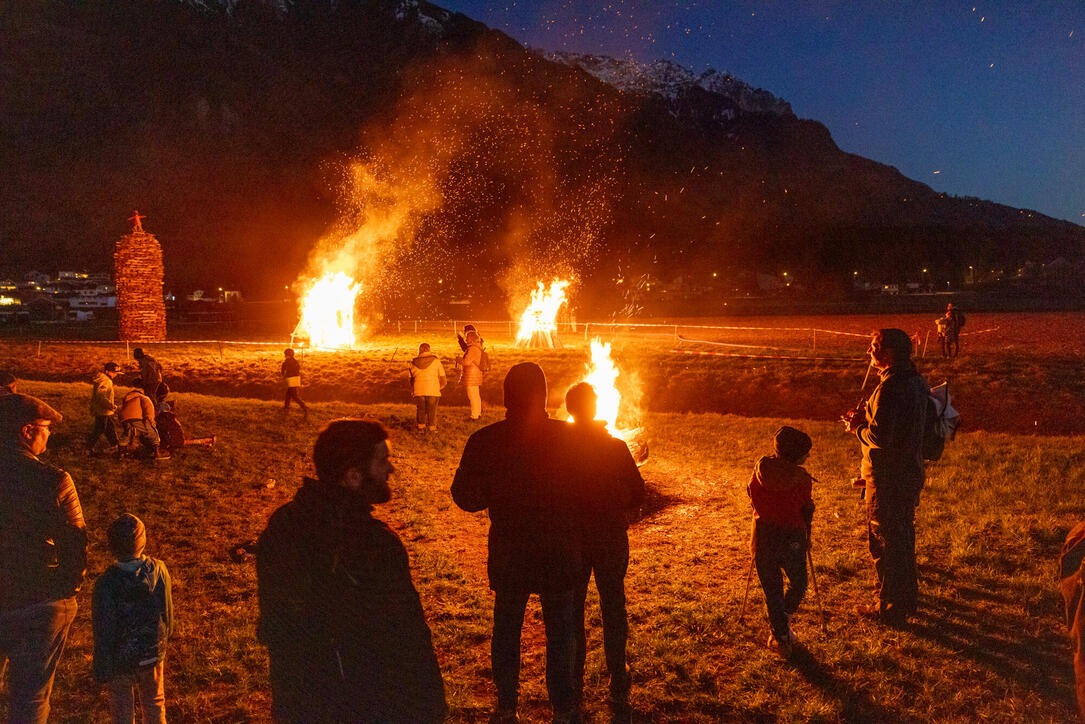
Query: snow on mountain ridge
[669,79]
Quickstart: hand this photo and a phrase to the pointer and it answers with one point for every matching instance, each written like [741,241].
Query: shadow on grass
[1036,661]
[655,502]
[855,705]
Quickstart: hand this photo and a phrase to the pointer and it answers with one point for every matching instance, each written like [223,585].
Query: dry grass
[996,384]
[989,643]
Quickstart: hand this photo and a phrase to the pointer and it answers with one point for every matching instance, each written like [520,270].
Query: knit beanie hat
[791,444]
[127,536]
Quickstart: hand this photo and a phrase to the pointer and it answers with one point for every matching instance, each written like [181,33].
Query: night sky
[973,99]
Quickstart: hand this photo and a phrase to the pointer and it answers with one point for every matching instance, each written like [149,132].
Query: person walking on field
[291,374]
[345,631]
[783,510]
[890,428]
[132,614]
[102,408]
[612,489]
[472,364]
[520,470]
[428,378]
[150,372]
[43,556]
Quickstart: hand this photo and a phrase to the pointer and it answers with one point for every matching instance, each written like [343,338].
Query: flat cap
[17,410]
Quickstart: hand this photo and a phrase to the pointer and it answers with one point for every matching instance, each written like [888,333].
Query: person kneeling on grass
[783,511]
[132,614]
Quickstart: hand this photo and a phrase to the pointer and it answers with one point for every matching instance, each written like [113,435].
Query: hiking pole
[814,578]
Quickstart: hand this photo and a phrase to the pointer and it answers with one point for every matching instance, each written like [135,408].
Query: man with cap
[521,471]
[890,426]
[102,407]
[43,555]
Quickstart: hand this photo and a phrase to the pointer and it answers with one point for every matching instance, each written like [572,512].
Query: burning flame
[540,316]
[327,312]
[602,376]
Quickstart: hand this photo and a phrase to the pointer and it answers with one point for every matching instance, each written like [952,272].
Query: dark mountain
[448,157]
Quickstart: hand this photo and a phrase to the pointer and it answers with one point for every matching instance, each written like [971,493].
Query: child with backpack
[783,510]
[132,615]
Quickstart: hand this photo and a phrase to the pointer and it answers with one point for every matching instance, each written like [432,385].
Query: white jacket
[427,375]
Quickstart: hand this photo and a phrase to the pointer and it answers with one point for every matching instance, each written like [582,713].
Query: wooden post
[586,325]
[127,354]
[39,348]
[454,325]
[815,343]
[927,339]
[676,334]
[416,326]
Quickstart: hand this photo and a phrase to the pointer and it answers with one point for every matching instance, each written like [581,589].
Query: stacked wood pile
[137,269]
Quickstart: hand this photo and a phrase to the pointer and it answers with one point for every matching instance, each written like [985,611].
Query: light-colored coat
[428,376]
[101,396]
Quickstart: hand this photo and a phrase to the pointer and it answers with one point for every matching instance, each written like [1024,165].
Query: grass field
[1021,378]
[988,643]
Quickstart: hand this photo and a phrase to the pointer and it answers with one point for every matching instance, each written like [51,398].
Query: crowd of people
[339,613]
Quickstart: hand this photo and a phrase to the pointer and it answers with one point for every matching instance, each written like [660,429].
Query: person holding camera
[890,426]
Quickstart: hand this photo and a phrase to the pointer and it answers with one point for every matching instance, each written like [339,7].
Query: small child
[132,614]
[291,372]
[783,511]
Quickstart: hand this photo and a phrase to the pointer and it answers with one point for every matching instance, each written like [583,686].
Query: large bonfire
[327,312]
[538,323]
[603,375]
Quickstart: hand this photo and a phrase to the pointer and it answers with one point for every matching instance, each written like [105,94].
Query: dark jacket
[150,372]
[610,486]
[520,470]
[1072,585]
[132,612]
[780,491]
[43,539]
[892,433]
[340,616]
[291,368]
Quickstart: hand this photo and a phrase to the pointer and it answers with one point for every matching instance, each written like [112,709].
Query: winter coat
[427,375]
[522,472]
[609,488]
[132,614]
[101,396]
[150,372]
[1072,586]
[43,539]
[892,434]
[340,616]
[291,368]
[779,491]
[472,358]
[137,406]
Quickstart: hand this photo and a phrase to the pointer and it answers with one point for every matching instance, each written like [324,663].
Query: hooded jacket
[137,406]
[340,615]
[892,433]
[150,371]
[427,375]
[43,539]
[779,489]
[132,612]
[101,396]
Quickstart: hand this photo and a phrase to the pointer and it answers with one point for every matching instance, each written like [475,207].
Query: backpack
[941,422]
[484,362]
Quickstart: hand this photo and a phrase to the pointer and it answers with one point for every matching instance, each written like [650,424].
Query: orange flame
[327,312]
[602,375]
[541,315]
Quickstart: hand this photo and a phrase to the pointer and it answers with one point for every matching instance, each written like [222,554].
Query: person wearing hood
[102,407]
[783,510]
[346,635]
[150,372]
[890,427]
[428,378]
[471,377]
[132,616]
[467,329]
[43,556]
[521,470]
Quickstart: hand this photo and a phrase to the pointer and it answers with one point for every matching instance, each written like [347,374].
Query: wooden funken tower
[137,270]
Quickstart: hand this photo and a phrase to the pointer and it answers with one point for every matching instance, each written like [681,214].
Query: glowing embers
[603,376]
[327,312]
[538,324]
